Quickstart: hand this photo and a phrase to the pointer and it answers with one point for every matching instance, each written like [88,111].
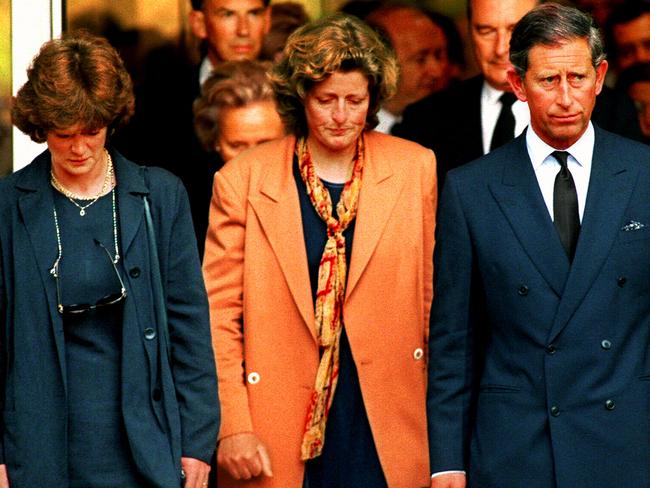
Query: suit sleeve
[189,331]
[450,345]
[223,270]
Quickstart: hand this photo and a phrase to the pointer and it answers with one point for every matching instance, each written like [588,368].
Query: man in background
[421,48]
[232,30]
[480,114]
[628,34]
[162,130]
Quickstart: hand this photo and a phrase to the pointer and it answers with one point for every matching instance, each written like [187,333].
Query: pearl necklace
[73,197]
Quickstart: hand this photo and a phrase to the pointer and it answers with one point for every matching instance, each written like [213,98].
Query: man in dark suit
[539,372]
[422,50]
[479,114]
[162,130]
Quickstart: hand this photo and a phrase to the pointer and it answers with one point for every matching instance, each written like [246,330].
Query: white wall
[33,22]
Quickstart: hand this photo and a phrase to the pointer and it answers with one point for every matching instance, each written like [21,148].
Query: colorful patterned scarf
[330,292]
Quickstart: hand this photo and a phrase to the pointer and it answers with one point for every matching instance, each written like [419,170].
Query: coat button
[555,411]
[550,349]
[156,394]
[610,405]
[149,334]
[621,280]
[418,354]
[523,290]
[134,272]
[605,344]
[253,378]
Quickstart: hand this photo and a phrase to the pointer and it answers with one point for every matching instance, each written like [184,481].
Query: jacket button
[156,394]
[605,344]
[523,290]
[621,280]
[134,272]
[253,378]
[610,405]
[555,411]
[550,349]
[418,354]
[149,334]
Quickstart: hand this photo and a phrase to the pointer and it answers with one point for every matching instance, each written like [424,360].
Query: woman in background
[95,392]
[318,266]
[236,111]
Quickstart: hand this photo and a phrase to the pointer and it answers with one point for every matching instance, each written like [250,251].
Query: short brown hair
[231,84]
[314,51]
[78,79]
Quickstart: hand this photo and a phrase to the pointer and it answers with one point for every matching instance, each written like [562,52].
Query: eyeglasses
[77,308]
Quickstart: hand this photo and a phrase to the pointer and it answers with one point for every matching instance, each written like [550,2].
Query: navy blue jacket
[169,410]
[539,372]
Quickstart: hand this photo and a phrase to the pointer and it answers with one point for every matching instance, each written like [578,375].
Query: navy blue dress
[98,450]
[349,458]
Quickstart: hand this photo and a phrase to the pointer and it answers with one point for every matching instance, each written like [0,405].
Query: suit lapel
[36,208]
[379,191]
[610,187]
[520,199]
[278,210]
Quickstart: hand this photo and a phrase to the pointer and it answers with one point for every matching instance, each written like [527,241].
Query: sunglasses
[78,308]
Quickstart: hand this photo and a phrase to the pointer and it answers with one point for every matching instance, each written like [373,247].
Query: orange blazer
[262,313]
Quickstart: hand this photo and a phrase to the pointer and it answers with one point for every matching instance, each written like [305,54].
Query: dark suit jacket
[539,371]
[168,411]
[161,132]
[449,122]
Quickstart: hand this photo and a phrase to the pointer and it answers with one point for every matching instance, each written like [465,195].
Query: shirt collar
[205,70]
[582,150]
[490,94]
[386,120]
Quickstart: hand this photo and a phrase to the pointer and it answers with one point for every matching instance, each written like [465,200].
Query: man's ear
[196,20]
[601,71]
[517,84]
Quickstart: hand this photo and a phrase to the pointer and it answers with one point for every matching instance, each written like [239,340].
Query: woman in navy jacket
[94,392]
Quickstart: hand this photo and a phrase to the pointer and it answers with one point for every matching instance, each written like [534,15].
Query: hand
[450,480]
[196,472]
[243,456]
[4,477]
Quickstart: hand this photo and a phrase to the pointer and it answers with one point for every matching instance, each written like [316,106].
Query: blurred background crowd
[165,46]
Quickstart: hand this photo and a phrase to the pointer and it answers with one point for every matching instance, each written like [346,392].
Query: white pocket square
[632,225]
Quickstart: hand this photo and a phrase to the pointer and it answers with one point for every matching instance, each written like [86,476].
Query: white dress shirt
[386,121]
[205,70]
[546,166]
[490,110]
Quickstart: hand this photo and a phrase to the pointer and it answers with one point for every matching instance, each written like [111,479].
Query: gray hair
[232,84]
[551,24]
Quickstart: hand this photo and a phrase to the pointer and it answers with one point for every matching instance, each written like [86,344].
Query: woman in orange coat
[318,265]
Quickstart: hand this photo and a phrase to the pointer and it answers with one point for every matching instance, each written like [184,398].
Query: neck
[87,185]
[331,166]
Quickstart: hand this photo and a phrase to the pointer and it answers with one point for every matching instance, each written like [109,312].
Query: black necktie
[504,131]
[565,205]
